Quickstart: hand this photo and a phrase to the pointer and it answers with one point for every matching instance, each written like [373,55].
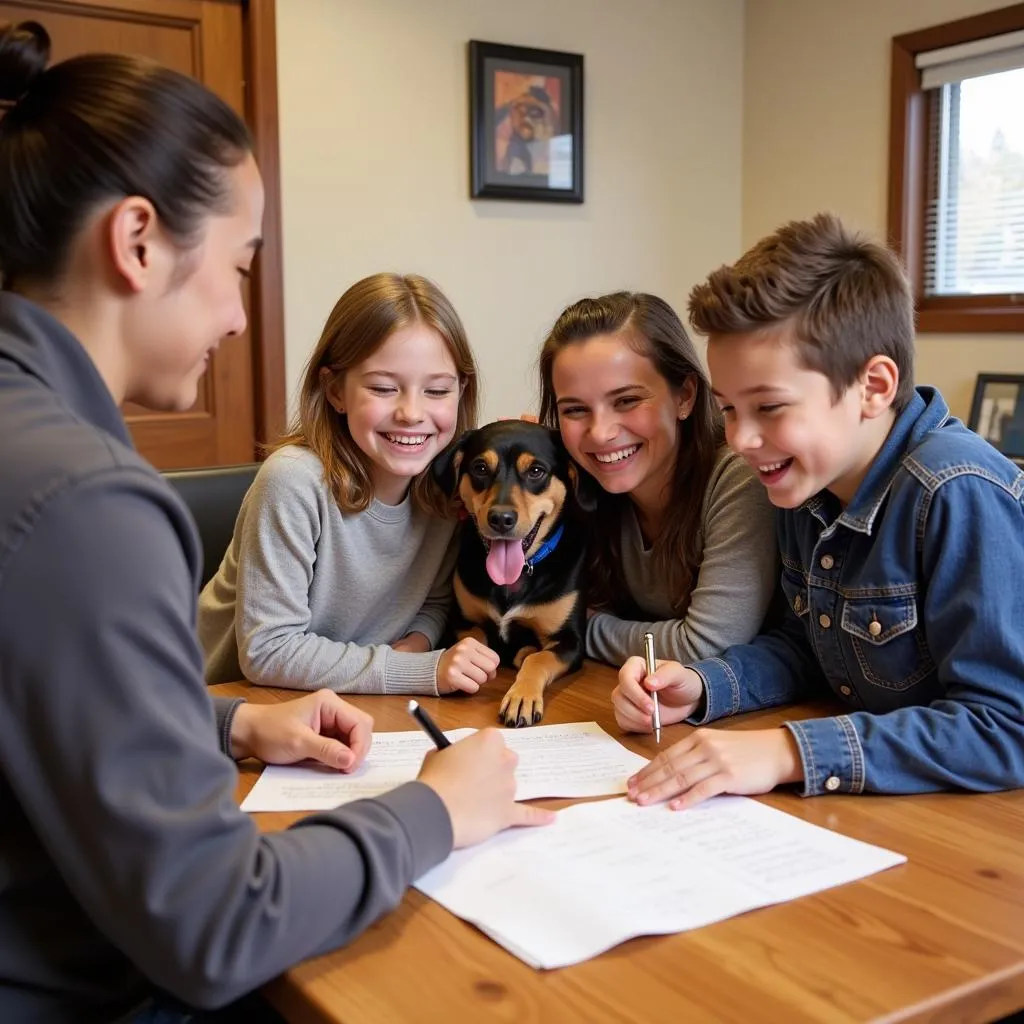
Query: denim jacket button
[845,691]
[874,627]
[824,621]
[798,603]
[832,783]
[827,561]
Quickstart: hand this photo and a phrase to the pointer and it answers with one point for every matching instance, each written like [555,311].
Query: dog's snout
[502,519]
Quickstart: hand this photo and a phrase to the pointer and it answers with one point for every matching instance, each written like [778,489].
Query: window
[956,190]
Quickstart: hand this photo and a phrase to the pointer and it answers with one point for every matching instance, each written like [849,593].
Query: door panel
[202,38]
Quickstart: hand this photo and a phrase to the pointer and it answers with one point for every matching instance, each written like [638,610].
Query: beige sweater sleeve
[738,575]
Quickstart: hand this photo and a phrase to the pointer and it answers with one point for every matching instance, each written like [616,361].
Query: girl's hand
[680,690]
[466,666]
[412,643]
[713,761]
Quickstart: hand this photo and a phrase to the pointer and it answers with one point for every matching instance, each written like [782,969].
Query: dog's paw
[521,656]
[523,704]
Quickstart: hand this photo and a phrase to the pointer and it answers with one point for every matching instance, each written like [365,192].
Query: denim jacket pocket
[887,641]
[794,586]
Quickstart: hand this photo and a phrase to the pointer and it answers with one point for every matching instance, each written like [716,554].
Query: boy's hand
[466,666]
[713,761]
[475,779]
[320,726]
[679,692]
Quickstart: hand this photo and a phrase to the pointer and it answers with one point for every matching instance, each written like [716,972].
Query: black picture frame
[997,412]
[525,123]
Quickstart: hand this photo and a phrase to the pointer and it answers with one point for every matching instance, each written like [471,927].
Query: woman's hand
[319,726]
[475,778]
[679,689]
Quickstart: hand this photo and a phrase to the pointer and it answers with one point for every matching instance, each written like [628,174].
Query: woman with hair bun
[130,212]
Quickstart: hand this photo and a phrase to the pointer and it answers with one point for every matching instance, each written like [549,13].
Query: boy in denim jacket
[902,542]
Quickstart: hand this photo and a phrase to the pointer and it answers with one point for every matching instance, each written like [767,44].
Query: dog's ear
[584,486]
[445,468]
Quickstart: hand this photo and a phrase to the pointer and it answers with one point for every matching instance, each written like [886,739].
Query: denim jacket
[908,605]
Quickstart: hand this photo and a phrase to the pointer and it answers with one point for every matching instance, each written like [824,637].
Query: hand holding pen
[475,779]
[679,691]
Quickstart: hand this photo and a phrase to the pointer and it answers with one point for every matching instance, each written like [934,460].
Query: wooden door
[202,38]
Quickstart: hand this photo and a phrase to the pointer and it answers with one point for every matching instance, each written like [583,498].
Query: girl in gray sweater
[339,571]
[683,540]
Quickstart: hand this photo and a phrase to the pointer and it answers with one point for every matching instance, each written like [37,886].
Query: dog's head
[532,115]
[515,479]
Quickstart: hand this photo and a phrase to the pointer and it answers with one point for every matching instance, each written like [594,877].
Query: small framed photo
[997,412]
[525,123]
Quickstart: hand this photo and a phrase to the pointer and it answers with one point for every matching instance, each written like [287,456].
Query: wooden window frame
[908,177]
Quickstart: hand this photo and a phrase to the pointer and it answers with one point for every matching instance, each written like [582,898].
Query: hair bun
[24,54]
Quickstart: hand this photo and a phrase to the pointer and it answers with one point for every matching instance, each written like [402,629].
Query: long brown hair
[361,321]
[652,327]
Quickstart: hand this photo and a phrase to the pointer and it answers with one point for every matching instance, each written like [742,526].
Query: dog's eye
[536,472]
[479,468]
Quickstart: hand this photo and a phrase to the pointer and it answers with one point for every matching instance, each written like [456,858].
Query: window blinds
[969,60]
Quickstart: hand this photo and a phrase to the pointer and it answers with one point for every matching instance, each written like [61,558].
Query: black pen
[429,726]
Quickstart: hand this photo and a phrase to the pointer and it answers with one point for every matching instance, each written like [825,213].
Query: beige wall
[816,136]
[374,116]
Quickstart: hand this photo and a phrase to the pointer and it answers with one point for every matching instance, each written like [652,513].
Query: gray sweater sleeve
[738,575]
[277,555]
[224,709]
[109,740]
[432,617]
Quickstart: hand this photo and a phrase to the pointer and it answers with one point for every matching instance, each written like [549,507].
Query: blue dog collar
[545,549]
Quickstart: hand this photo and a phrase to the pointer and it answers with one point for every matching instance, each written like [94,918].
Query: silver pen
[651,668]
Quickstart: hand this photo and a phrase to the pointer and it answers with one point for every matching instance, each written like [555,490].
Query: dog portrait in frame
[526,123]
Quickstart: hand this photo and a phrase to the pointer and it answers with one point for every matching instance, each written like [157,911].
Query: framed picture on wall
[525,123]
[997,412]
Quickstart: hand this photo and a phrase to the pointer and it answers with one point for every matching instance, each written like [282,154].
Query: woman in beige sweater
[683,540]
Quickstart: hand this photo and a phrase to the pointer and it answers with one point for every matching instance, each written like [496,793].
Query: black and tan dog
[517,581]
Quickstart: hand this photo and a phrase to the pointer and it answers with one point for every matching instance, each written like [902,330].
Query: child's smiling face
[785,419]
[401,405]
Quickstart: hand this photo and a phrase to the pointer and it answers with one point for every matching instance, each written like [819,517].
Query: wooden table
[940,938]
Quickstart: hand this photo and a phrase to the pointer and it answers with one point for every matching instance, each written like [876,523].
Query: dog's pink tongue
[505,561]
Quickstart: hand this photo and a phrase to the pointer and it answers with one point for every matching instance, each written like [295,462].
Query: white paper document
[610,871]
[394,758]
[579,759]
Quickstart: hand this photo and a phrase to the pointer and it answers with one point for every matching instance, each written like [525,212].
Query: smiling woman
[682,543]
[130,205]
[339,572]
